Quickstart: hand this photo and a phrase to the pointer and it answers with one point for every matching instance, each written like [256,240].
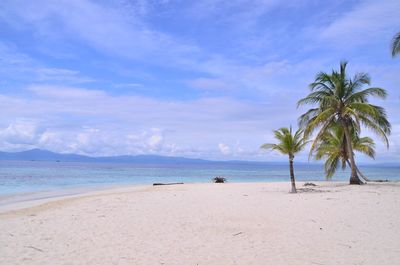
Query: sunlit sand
[243,223]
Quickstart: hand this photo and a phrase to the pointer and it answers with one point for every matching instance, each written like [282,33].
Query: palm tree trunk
[292,180]
[362,175]
[354,179]
[359,172]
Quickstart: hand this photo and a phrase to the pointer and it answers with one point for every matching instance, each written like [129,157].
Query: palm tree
[290,145]
[396,44]
[332,147]
[341,100]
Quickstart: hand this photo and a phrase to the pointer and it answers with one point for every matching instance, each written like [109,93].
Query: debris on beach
[309,184]
[219,180]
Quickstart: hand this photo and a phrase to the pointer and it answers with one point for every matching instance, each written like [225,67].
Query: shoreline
[25,200]
[60,193]
[207,223]
[29,199]
[32,199]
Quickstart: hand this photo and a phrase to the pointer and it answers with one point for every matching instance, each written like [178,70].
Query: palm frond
[319,120]
[362,96]
[288,143]
[364,145]
[320,134]
[396,45]
[331,165]
[375,128]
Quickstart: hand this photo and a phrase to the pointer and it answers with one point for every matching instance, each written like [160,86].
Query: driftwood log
[161,184]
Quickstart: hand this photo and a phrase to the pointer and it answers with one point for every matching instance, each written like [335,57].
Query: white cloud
[21,132]
[97,123]
[103,27]
[150,141]
[242,11]
[368,22]
[66,93]
[60,74]
[266,80]
[224,149]
[22,135]
[93,121]
[155,141]
[20,66]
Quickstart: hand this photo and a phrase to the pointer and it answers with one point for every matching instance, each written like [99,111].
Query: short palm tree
[396,44]
[341,100]
[290,145]
[332,147]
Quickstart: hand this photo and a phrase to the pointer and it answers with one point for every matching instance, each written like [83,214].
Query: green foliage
[288,143]
[332,147]
[340,100]
[396,45]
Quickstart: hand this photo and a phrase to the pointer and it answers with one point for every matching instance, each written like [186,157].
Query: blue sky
[207,78]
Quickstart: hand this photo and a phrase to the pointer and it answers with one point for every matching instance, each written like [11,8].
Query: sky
[204,79]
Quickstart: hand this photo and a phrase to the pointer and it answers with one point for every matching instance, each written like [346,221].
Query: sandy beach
[233,223]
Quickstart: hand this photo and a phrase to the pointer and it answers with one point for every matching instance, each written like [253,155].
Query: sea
[22,177]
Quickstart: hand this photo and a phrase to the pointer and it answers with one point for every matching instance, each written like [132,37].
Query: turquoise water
[31,176]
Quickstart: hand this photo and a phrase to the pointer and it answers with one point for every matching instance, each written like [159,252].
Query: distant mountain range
[45,155]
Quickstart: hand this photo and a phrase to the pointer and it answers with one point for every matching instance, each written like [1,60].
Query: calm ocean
[32,176]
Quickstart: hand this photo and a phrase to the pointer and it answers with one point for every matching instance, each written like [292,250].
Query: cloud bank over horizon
[209,79]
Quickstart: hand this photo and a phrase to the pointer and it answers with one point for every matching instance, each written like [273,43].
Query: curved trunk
[365,177]
[362,175]
[359,172]
[292,180]
[354,179]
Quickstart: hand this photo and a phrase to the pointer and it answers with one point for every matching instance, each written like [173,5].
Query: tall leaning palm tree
[290,145]
[332,148]
[341,100]
[396,45]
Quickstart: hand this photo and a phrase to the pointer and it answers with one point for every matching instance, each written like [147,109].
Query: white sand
[258,223]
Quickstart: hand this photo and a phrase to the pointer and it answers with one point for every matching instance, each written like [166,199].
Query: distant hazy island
[45,155]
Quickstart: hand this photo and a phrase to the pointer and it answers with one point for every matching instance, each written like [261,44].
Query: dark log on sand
[161,184]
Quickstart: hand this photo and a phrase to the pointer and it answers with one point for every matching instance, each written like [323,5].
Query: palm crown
[341,100]
[288,143]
